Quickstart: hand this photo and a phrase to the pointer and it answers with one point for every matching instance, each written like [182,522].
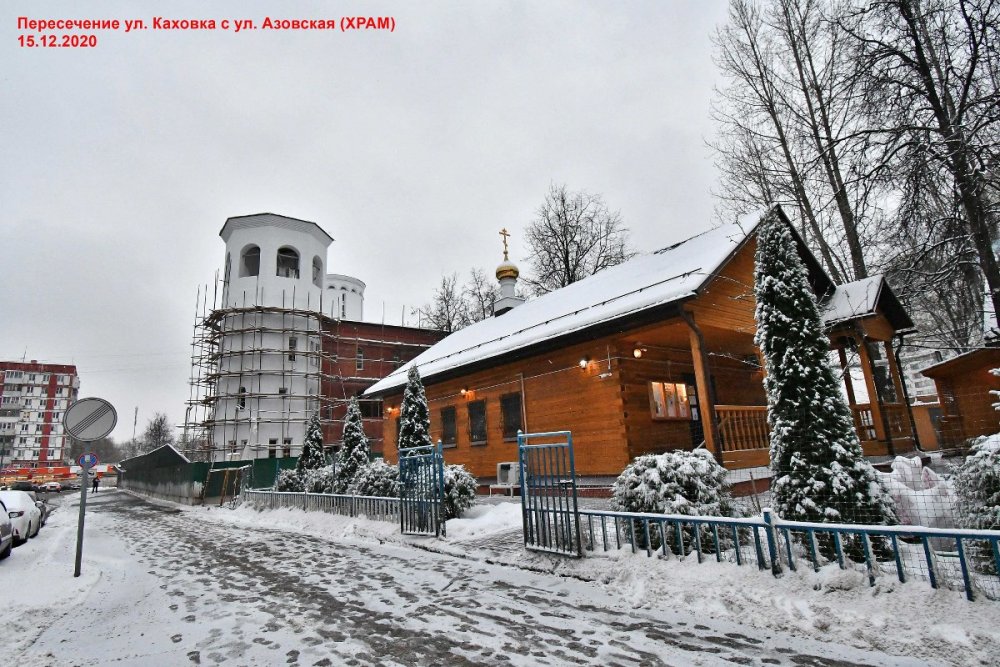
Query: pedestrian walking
[97,483]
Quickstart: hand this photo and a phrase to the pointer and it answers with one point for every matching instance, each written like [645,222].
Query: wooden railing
[743,427]
[895,414]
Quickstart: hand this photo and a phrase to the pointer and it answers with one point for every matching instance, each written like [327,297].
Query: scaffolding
[259,369]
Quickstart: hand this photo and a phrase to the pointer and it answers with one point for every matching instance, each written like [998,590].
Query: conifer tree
[355,451]
[312,456]
[819,472]
[414,418]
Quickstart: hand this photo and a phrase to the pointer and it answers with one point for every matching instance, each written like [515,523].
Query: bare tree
[480,294]
[574,235]
[105,449]
[931,73]
[448,310]
[158,433]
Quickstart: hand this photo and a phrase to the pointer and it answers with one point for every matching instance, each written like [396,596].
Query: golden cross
[504,233]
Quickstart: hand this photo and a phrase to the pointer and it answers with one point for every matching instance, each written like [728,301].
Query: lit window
[669,400]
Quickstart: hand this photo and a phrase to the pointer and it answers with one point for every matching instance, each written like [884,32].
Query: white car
[25,518]
[6,532]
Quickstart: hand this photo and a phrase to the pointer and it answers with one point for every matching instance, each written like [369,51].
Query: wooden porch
[746,437]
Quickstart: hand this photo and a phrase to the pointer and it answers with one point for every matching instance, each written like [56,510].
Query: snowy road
[178,588]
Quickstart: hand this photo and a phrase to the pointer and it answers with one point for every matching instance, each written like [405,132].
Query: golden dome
[507,270]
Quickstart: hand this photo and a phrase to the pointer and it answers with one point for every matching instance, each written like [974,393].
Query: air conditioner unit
[509,474]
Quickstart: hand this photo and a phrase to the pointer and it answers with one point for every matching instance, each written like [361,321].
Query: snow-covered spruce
[414,418]
[977,484]
[459,491]
[680,482]
[312,456]
[377,478]
[819,470]
[355,452]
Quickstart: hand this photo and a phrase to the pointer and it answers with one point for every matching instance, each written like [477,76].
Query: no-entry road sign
[90,419]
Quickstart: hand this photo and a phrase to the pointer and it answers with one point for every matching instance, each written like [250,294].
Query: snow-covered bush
[320,480]
[459,491]
[289,480]
[378,478]
[680,482]
[977,486]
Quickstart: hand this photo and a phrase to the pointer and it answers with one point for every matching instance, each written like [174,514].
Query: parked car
[6,532]
[50,487]
[26,519]
[24,485]
[44,509]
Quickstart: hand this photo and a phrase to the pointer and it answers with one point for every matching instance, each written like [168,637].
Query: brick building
[33,398]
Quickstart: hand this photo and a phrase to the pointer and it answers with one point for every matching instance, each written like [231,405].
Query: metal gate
[421,490]
[549,510]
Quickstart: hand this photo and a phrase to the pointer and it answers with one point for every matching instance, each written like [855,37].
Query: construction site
[270,351]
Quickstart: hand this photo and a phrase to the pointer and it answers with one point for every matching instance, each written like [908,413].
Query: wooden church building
[652,355]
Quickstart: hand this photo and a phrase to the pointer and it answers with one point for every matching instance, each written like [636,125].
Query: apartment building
[33,399]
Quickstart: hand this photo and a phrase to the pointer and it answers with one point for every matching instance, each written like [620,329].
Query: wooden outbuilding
[964,384]
[655,354]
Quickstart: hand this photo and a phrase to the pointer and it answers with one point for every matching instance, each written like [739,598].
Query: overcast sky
[411,148]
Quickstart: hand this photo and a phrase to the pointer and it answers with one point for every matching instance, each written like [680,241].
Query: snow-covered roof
[862,298]
[852,300]
[647,281]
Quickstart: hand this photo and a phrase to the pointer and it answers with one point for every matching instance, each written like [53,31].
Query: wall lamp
[637,352]
[584,361]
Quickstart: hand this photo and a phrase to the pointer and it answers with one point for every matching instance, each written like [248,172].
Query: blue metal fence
[549,509]
[964,559]
[421,490]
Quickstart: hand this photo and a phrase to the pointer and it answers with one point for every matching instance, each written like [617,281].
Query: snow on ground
[832,605]
[36,590]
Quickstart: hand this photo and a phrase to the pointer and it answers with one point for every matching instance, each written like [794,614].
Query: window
[241,402]
[282,391]
[343,307]
[229,267]
[449,434]
[272,448]
[669,400]
[317,272]
[360,360]
[477,422]
[510,415]
[293,343]
[243,445]
[396,361]
[250,261]
[232,446]
[370,409]
[288,262]
[287,443]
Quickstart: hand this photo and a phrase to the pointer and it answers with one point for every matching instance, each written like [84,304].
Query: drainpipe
[906,394]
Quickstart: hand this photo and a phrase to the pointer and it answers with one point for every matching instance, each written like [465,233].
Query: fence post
[772,542]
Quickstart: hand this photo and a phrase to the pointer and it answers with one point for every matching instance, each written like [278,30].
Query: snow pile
[485,520]
[921,496]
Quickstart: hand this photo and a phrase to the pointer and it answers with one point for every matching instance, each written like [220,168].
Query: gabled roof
[865,298]
[670,275]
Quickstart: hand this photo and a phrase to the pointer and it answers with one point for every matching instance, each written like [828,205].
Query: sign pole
[87,420]
[84,480]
